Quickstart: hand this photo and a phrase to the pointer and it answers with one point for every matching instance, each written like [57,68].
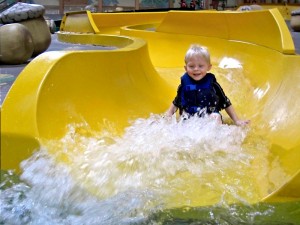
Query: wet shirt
[222,103]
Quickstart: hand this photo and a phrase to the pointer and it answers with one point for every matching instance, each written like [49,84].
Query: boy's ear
[209,67]
[185,68]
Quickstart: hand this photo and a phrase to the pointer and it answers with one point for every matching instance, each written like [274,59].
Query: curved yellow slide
[59,88]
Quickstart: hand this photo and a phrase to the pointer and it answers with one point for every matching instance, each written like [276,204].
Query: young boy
[199,92]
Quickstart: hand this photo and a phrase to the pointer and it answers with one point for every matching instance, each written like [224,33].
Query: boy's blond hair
[197,50]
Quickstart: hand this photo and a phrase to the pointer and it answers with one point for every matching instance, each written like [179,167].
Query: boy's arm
[226,104]
[172,109]
[175,104]
[232,114]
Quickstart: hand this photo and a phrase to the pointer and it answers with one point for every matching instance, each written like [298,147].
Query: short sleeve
[224,101]
[177,99]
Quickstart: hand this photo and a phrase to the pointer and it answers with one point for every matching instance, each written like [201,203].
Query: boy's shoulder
[211,75]
[184,75]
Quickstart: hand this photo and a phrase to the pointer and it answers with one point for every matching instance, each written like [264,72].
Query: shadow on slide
[252,51]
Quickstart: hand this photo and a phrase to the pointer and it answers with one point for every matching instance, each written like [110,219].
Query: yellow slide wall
[284,9]
[149,63]
[106,23]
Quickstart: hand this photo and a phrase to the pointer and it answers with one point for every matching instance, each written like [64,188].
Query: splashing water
[101,178]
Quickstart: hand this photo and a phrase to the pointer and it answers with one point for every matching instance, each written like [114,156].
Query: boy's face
[197,67]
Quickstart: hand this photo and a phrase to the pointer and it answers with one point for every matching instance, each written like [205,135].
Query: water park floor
[8,73]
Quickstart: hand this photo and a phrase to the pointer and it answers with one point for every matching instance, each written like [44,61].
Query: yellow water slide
[141,75]
[285,9]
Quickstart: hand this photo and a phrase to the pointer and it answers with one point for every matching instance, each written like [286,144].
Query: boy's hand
[242,122]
